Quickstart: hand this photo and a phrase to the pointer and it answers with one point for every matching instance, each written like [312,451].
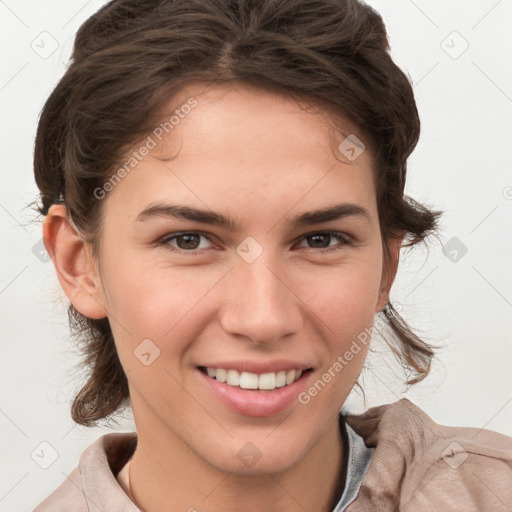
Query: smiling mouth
[253,381]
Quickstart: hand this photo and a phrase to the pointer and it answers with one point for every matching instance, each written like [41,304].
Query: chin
[258,457]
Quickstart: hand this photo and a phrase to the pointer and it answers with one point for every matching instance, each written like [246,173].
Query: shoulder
[93,485]
[68,496]
[424,466]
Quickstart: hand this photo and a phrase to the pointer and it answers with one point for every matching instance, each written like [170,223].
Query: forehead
[258,117]
[240,145]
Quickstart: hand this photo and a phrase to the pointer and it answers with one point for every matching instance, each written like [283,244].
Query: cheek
[345,297]
[156,302]
[344,300]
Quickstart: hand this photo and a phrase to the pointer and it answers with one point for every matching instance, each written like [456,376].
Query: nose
[259,302]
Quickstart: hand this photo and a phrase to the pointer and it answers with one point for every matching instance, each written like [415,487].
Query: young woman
[223,190]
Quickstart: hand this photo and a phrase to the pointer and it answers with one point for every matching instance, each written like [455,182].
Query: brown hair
[132,55]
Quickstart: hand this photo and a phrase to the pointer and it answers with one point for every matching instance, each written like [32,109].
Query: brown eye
[188,242]
[323,240]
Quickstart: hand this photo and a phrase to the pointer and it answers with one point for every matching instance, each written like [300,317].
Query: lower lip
[254,402]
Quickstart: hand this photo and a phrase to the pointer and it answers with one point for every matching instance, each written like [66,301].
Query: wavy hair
[132,55]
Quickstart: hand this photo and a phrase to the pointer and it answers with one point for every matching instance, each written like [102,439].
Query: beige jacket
[417,466]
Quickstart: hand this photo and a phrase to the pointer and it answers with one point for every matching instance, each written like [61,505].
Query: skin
[260,159]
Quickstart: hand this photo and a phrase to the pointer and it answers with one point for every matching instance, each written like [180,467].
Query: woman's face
[212,258]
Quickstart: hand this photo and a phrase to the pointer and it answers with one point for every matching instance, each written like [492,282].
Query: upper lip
[259,367]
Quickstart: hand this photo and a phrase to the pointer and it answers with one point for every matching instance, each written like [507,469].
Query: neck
[166,475]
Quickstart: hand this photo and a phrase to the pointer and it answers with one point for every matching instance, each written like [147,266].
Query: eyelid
[163,241]
[343,238]
[332,232]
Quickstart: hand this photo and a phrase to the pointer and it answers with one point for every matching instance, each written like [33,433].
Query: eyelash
[341,237]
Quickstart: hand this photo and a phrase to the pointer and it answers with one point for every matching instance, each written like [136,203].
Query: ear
[389,271]
[72,257]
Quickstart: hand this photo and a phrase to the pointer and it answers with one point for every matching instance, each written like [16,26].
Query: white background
[462,165]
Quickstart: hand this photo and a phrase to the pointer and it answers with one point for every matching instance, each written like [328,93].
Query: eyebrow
[330,213]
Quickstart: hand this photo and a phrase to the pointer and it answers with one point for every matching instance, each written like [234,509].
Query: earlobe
[389,272]
[73,263]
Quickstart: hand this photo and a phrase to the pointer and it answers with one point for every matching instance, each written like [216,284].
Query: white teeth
[267,381]
[248,380]
[280,379]
[233,378]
